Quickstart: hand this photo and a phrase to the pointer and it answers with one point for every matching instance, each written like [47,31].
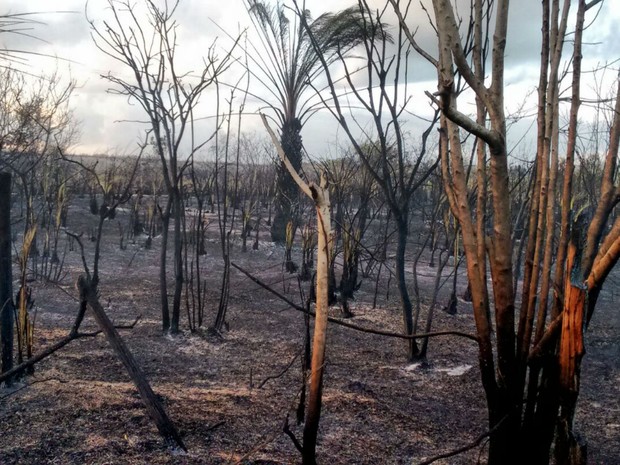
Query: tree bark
[569,448]
[321,197]
[407,307]
[177,207]
[500,390]
[286,194]
[609,193]
[163,281]
[6,275]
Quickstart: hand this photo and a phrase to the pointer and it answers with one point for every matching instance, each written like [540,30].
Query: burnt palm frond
[290,61]
[23,25]
[20,24]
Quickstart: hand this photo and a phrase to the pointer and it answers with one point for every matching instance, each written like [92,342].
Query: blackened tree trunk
[386,156]
[177,203]
[287,192]
[168,99]
[153,404]
[405,299]
[163,282]
[6,279]
[348,281]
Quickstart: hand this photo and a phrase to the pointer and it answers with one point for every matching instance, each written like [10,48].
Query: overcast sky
[66,34]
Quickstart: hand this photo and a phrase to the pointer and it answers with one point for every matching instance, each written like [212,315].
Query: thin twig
[217,425]
[280,374]
[475,443]
[37,381]
[268,440]
[291,435]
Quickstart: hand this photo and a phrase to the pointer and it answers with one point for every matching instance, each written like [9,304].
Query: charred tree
[6,274]
[320,196]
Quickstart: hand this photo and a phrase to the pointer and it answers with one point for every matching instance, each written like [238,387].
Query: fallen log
[153,405]
[73,334]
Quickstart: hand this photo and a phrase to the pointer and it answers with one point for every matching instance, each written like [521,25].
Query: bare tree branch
[350,325]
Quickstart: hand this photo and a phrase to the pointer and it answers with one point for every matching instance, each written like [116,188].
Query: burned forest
[276,232]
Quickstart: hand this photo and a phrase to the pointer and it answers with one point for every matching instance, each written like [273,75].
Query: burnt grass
[81,408]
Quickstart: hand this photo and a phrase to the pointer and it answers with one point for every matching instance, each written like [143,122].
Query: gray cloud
[199,22]
[66,29]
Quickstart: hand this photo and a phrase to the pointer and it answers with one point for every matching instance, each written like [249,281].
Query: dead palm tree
[286,64]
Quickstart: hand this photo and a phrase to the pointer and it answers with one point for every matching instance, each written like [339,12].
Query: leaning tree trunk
[6,280]
[320,195]
[154,406]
